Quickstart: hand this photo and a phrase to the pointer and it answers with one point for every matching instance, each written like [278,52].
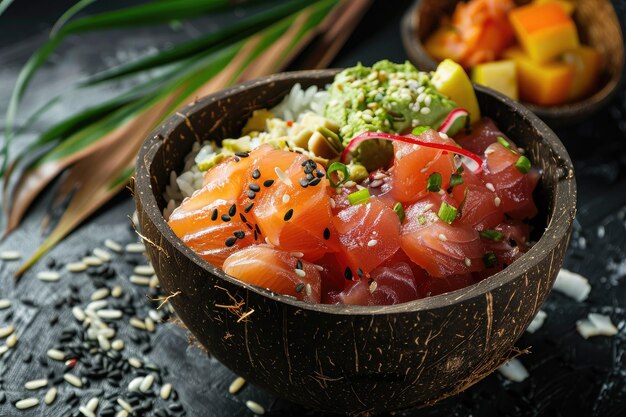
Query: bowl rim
[414,46]
[562,213]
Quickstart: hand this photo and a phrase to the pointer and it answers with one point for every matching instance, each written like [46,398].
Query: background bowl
[351,358]
[597,25]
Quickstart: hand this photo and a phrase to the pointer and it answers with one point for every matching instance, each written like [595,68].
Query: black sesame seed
[225,217]
[268,183]
[232,210]
[304,183]
[348,273]
[242,154]
[315,182]
[254,187]
[214,214]
[256,235]
[309,177]
[320,174]
[251,194]
[256,226]
[359,272]
[248,207]
[256,174]
[305,163]
[299,287]
[237,159]
[298,264]
[288,215]
[326,233]
[243,218]
[249,226]
[239,234]
[230,241]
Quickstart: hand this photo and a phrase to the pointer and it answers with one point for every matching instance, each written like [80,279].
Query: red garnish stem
[357,140]
[452,117]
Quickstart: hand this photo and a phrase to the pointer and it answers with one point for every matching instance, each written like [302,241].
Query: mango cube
[544,30]
[499,75]
[587,63]
[568,5]
[544,84]
[451,80]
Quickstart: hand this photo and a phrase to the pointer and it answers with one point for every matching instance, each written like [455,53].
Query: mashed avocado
[388,97]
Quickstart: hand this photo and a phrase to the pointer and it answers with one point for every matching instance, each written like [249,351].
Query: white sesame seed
[349,184]
[107,332]
[428,207]
[92,404]
[373,286]
[490,187]
[102,254]
[36,384]
[489,151]
[425,110]
[117,291]
[26,403]
[308,290]
[282,176]
[144,270]
[318,267]
[497,201]
[149,323]
[48,276]
[135,247]
[12,341]
[86,412]
[134,384]
[104,343]
[137,323]
[5,303]
[135,363]
[442,237]
[428,100]
[10,255]
[332,203]
[147,382]
[117,344]
[126,406]
[73,380]
[50,396]
[97,305]
[155,315]
[468,262]
[122,413]
[139,280]
[154,281]
[255,407]
[92,261]
[100,294]
[6,331]
[300,273]
[443,135]
[78,313]
[76,266]
[56,354]
[3,349]
[113,245]
[166,390]
[286,198]
[236,385]
[372,242]
[109,314]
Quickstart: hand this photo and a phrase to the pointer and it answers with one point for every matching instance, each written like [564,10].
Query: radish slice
[476,166]
[454,115]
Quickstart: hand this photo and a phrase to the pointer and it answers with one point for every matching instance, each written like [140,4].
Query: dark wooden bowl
[351,358]
[597,24]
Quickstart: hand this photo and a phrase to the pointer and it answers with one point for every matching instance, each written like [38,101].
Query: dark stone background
[569,376]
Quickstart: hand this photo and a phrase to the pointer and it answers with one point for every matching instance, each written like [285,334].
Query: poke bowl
[351,358]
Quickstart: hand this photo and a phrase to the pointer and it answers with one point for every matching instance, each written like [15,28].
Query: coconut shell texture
[351,359]
[598,26]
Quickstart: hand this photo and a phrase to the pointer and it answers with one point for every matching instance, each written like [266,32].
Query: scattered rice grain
[36,384]
[236,385]
[144,270]
[10,255]
[135,248]
[139,280]
[26,403]
[56,354]
[166,391]
[73,380]
[103,255]
[113,245]
[50,396]
[48,276]
[76,266]
[6,331]
[255,407]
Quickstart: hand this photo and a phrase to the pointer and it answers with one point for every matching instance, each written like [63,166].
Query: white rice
[293,106]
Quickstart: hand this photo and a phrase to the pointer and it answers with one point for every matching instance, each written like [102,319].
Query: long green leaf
[208,43]
[4,5]
[69,13]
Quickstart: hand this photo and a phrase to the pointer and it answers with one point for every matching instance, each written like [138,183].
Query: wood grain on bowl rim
[598,22]
[394,356]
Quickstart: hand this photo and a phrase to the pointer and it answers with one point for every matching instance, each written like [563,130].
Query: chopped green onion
[492,234]
[489,258]
[503,142]
[455,179]
[400,212]
[359,197]
[434,182]
[523,164]
[421,219]
[460,169]
[337,167]
[447,213]
[420,129]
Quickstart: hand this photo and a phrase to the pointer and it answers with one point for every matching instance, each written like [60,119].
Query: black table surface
[569,376]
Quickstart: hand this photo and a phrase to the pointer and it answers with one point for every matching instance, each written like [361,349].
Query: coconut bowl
[351,359]
[597,24]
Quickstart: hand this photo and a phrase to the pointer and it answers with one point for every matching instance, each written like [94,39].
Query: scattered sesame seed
[117,291]
[147,382]
[12,341]
[425,110]
[282,176]
[3,349]
[249,207]
[117,344]
[56,354]
[149,323]
[10,255]
[5,303]
[214,215]
[125,405]
[299,287]
[86,412]
[104,343]
[135,248]
[48,276]
[144,269]
[6,331]
[26,403]
[230,241]
[137,323]
[103,255]
[288,215]
[497,201]
[442,237]
[268,183]
[100,294]
[135,363]
[349,184]
[50,396]
[286,198]
[225,217]
[490,187]
[300,273]
[251,194]
[308,290]
[242,154]
[297,254]
[348,273]
[256,174]
[332,203]
[239,234]
[372,242]
[373,286]
[110,314]
[326,233]
[255,407]
[76,266]
[36,384]
[78,313]
[468,262]
[139,280]
[304,183]
[73,380]
[113,245]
